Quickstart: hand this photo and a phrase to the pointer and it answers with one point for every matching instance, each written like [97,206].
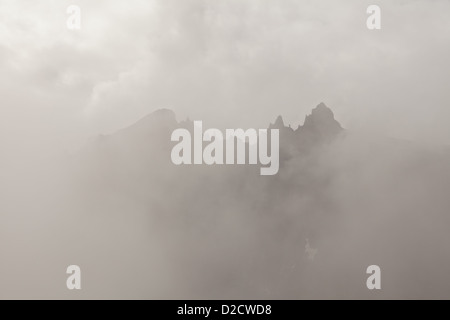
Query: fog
[86,176]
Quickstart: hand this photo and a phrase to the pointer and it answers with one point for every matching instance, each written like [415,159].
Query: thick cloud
[229,63]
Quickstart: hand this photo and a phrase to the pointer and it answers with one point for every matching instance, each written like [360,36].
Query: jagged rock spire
[321,120]
[279,123]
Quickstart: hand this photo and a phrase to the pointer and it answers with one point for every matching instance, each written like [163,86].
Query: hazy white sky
[229,63]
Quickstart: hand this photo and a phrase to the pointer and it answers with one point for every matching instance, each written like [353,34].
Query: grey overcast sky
[229,63]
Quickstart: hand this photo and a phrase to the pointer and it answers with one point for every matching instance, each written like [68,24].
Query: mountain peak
[321,120]
[279,123]
[163,114]
[164,119]
[322,112]
[159,117]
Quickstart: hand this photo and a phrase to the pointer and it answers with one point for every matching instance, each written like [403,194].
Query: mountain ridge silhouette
[356,200]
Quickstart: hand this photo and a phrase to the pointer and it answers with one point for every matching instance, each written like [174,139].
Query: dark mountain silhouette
[279,124]
[321,121]
[320,124]
[148,140]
